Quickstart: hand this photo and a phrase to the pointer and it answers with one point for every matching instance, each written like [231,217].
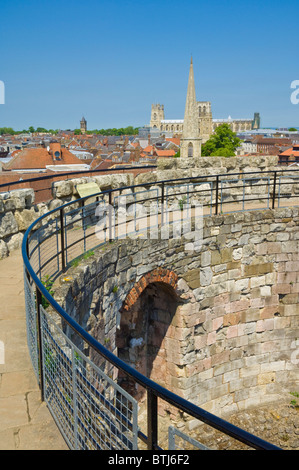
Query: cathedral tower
[190,140]
[157,115]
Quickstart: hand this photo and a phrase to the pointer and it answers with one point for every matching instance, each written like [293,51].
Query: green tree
[293,129]
[223,143]
[7,130]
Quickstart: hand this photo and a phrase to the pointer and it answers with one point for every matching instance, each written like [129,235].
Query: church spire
[190,142]
[190,119]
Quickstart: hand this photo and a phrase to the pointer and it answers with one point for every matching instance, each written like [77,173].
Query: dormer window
[57,155]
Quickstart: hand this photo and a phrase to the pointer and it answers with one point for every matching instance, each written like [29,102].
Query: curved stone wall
[233,339]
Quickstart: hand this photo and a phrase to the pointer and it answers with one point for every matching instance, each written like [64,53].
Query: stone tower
[157,115]
[256,123]
[190,140]
[83,125]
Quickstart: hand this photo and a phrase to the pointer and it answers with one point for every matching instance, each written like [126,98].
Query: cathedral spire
[190,141]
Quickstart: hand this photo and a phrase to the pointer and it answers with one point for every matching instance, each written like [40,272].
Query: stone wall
[17,213]
[18,208]
[232,341]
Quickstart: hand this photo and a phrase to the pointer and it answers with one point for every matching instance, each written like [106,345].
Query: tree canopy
[223,143]
[130,130]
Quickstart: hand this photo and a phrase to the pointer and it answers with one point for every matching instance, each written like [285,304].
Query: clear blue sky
[109,60]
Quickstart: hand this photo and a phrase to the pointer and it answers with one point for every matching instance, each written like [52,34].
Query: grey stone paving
[25,421]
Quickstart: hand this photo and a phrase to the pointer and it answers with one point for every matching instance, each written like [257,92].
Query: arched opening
[190,149]
[144,333]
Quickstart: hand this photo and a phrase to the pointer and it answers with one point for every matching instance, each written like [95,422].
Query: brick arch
[165,276]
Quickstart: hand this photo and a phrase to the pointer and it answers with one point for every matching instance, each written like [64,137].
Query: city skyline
[110,61]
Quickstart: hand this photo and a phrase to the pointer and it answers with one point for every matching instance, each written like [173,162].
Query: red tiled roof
[165,153]
[174,140]
[148,149]
[290,151]
[34,158]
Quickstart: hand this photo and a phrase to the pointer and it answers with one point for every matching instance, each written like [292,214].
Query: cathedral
[197,120]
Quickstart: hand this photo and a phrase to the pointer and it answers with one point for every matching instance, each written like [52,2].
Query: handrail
[74,173]
[154,390]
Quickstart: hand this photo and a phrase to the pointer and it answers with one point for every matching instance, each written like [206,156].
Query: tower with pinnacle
[190,140]
[83,125]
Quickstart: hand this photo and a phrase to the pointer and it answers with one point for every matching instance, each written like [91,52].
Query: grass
[294,402]
[85,256]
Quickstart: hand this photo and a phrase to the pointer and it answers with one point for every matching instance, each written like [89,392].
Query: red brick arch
[157,275]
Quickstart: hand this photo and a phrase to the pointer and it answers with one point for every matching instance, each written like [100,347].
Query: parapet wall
[232,342]
[18,208]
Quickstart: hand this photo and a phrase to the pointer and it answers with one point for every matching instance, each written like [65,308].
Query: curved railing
[81,391]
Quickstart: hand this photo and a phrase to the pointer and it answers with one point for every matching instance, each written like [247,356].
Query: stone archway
[145,326]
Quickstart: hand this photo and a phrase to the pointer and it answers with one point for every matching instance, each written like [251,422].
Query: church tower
[190,140]
[157,115]
[83,125]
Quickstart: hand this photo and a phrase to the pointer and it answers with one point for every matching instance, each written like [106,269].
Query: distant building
[190,141]
[83,125]
[290,155]
[205,122]
[53,158]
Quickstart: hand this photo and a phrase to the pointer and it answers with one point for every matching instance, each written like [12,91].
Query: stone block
[206,275]
[3,249]
[258,269]
[25,218]
[8,225]
[62,189]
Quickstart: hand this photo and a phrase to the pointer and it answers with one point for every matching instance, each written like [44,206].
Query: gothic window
[155,116]
[190,149]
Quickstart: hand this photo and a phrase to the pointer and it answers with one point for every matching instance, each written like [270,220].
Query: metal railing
[43,185]
[81,391]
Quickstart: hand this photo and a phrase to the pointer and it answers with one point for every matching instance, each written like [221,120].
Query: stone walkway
[25,421]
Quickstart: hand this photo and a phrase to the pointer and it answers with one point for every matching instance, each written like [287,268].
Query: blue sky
[110,60]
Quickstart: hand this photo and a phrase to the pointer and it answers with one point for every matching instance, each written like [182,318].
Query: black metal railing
[54,241]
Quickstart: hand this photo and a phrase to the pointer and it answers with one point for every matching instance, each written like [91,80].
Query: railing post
[62,240]
[110,216]
[274,189]
[83,223]
[162,203]
[217,193]
[39,342]
[152,420]
[75,413]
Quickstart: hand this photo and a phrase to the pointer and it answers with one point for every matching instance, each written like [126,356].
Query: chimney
[55,151]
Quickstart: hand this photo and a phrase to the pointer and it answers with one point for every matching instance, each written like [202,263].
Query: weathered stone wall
[17,213]
[18,209]
[232,342]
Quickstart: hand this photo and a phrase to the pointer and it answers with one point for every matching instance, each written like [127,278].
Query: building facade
[205,122]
